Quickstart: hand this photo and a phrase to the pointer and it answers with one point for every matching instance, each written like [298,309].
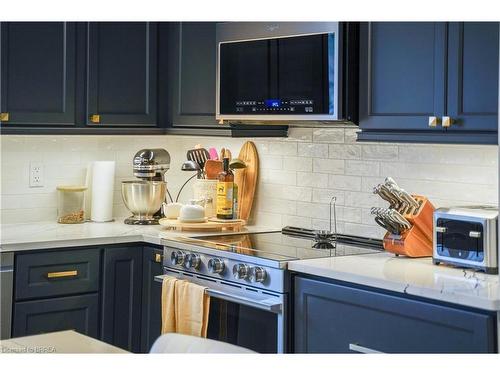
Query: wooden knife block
[416,241]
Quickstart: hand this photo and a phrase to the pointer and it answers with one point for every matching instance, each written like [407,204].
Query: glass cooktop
[277,246]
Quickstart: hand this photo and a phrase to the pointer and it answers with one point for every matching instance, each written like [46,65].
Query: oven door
[247,317]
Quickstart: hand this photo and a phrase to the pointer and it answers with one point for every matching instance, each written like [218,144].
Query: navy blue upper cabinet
[412,72]
[402,74]
[473,76]
[122,73]
[38,65]
[192,72]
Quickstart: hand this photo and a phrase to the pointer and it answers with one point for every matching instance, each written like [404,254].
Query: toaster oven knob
[257,275]
[216,265]
[193,261]
[177,258]
[240,271]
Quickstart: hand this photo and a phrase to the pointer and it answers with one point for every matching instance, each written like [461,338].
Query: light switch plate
[36,174]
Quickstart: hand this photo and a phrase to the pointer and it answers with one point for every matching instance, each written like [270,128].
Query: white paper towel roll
[103,181]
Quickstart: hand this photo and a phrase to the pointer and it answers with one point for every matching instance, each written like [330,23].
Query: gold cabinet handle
[433,121]
[95,119]
[447,121]
[55,275]
[158,258]
[4,116]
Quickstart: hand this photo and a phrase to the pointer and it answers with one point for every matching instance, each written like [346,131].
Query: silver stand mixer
[144,197]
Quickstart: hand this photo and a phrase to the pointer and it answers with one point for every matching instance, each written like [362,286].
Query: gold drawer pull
[158,258]
[54,275]
[95,119]
[4,116]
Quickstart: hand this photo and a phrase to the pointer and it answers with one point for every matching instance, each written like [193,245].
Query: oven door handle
[268,303]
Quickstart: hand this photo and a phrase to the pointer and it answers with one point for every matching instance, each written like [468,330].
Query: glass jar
[70,204]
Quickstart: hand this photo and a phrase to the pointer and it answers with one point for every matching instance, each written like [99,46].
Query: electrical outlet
[36,174]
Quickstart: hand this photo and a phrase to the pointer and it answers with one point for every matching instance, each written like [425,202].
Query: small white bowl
[192,213]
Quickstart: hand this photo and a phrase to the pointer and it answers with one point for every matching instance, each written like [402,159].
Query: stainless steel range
[247,278]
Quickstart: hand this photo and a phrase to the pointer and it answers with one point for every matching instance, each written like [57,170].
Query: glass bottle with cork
[225,186]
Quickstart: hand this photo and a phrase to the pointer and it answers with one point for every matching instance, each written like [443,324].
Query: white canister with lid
[206,190]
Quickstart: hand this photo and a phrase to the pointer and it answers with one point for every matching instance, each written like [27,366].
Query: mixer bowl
[143,199]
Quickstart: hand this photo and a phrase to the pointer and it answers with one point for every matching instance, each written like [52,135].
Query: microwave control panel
[275,106]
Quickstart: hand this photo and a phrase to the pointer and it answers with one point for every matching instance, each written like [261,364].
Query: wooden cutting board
[246,179]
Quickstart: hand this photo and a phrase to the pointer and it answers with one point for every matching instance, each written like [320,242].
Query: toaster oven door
[460,239]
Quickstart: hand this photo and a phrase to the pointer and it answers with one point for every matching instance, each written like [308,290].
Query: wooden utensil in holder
[416,241]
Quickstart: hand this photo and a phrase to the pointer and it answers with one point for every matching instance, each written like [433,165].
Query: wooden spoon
[213,168]
[225,153]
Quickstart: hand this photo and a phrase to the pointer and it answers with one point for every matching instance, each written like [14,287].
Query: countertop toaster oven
[467,237]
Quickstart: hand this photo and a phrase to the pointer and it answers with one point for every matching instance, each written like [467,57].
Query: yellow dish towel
[192,306]
[168,304]
[185,307]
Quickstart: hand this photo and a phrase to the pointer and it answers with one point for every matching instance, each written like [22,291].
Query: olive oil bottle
[225,186]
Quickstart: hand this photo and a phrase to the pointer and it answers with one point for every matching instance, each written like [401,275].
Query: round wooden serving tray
[209,225]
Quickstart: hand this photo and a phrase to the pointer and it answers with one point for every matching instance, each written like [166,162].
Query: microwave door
[305,72]
[246,75]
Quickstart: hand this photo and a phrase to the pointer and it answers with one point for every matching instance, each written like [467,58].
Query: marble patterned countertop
[417,277]
[51,235]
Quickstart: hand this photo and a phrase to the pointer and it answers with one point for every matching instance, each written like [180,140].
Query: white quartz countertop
[51,235]
[417,277]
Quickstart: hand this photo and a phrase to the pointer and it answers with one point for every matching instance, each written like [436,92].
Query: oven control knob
[192,261]
[177,258]
[257,274]
[240,271]
[216,265]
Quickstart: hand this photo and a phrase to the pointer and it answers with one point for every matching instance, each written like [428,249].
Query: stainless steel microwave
[285,72]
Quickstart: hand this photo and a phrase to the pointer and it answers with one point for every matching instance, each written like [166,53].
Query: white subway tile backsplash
[295,163]
[283,148]
[453,154]
[344,151]
[297,193]
[275,176]
[341,182]
[328,166]
[297,176]
[315,150]
[313,210]
[318,180]
[362,168]
[275,162]
[360,199]
[325,196]
[467,174]
[300,134]
[329,135]
[375,151]
[350,135]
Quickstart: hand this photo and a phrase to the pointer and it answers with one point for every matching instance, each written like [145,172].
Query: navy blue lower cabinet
[151,297]
[121,297]
[334,318]
[79,313]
